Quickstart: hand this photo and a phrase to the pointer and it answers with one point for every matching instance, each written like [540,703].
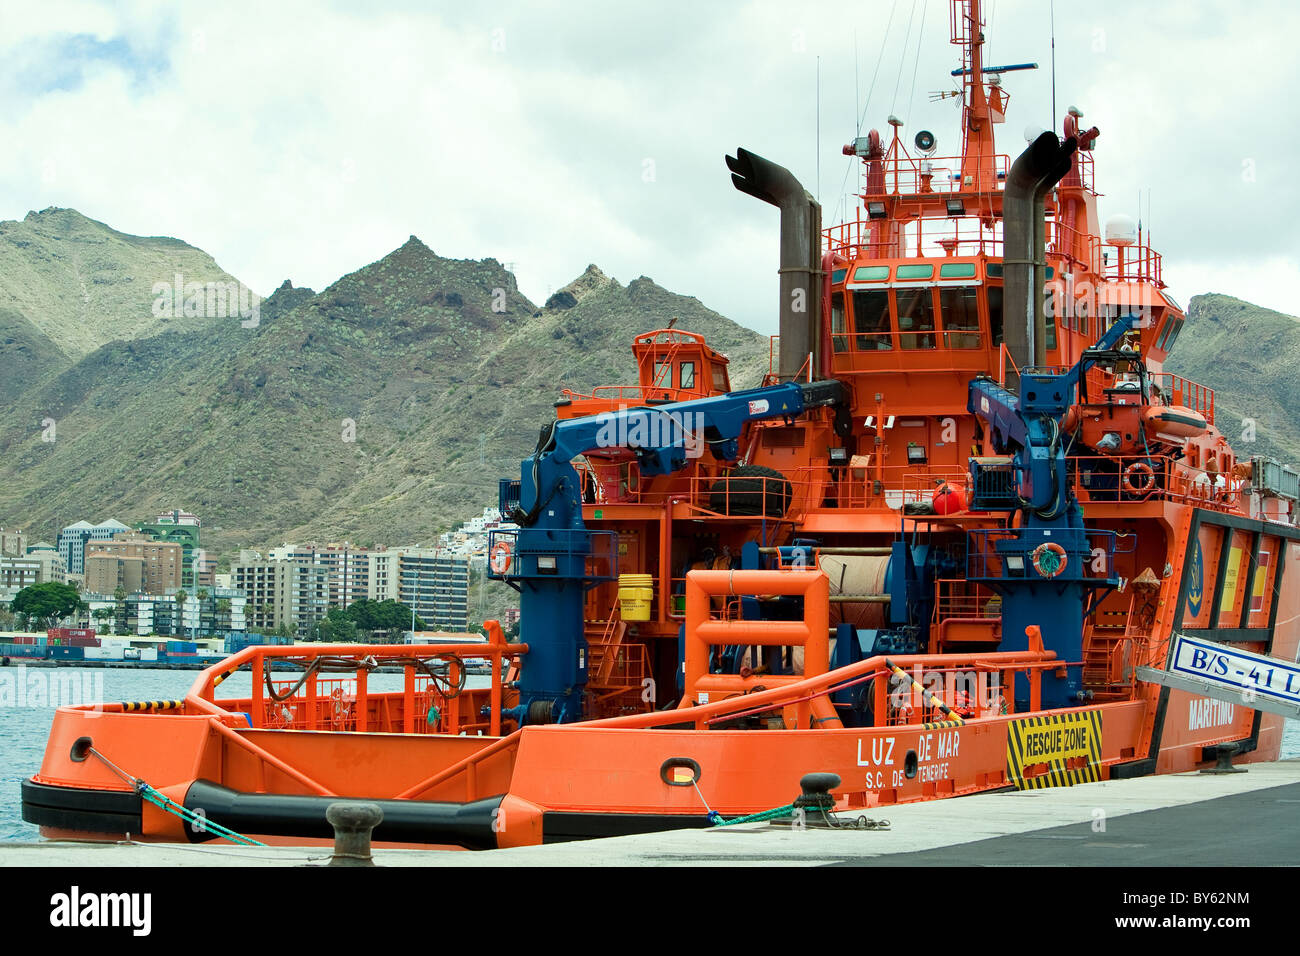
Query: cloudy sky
[304,140]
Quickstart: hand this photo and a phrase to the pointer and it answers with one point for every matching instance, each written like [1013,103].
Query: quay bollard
[352,824]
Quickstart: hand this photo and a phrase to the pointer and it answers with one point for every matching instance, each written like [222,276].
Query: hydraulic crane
[1043,568]
[549,563]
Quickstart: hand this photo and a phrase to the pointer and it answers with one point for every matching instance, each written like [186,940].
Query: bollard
[817,789]
[352,824]
[1223,755]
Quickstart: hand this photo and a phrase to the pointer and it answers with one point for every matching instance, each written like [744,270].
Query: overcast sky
[302,141]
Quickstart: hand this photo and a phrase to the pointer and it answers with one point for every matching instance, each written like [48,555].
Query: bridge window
[1173,326]
[1049,320]
[686,375]
[957,270]
[915,317]
[923,270]
[995,313]
[870,273]
[720,383]
[961,318]
[839,341]
[871,319]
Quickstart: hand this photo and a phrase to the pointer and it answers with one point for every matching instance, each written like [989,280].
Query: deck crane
[1041,566]
[549,561]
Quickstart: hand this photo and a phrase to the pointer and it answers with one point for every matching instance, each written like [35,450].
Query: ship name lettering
[882,752]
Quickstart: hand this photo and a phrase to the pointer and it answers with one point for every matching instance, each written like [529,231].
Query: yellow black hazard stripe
[940,724]
[133,705]
[1033,742]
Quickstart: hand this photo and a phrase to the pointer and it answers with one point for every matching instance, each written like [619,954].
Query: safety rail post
[313,702]
[361,705]
[258,706]
[408,699]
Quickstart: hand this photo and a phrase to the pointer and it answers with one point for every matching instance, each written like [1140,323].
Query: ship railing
[634,395]
[921,484]
[1136,263]
[984,561]
[753,497]
[908,175]
[788,695]
[1138,478]
[773,376]
[330,690]
[1066,242]
[596,549]
[928,236]
[958,597]
[1176,390]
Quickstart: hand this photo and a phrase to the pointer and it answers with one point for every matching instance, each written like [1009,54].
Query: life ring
[1049,567]
[501,558]
[1147,475]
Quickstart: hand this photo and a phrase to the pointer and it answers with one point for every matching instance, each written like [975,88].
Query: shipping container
[21,650]
[67,653]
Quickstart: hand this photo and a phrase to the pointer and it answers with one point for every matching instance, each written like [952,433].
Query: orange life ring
[1147,474]
[502,557]
[1049,567]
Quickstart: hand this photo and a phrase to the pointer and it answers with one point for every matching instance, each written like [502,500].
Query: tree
[102,614]
[47,603]
[389,615]
[119,595]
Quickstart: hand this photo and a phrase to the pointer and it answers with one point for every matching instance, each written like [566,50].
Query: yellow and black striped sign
[1055,741]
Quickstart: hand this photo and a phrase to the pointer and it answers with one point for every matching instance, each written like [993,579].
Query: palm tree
[181,598]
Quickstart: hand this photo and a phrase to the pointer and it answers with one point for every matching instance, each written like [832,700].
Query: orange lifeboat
[1173,422]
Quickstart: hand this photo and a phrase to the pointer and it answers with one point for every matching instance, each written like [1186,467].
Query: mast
[977,163]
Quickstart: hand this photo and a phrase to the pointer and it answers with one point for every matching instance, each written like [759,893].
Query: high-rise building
[73,540]
[434,581]
[348,567]
[12,543]
[158,564]
[290,593]
[40,564]
[184,529]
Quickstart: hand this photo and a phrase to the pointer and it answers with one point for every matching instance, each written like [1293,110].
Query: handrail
[200,696]
[824,683]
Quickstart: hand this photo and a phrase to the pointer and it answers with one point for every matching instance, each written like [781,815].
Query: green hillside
[1247,354]
[383,409]
[81,284]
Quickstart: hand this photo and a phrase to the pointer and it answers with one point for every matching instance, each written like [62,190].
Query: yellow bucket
[635,592]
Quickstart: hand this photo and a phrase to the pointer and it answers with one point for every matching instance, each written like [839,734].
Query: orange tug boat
[956,543]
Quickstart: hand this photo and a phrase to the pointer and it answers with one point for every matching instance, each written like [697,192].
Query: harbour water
[26,714]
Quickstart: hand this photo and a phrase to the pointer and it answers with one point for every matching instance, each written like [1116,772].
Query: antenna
[819,130]
[1052,9]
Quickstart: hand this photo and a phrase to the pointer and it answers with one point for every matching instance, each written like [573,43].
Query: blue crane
[549,564]
[1044,568]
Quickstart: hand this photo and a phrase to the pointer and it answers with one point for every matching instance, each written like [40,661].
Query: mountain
[1247,354]
[69,285]
[382,409]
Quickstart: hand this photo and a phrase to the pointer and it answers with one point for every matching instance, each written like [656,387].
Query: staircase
[617,672]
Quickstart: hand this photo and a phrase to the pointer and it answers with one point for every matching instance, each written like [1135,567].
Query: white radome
[1121,230]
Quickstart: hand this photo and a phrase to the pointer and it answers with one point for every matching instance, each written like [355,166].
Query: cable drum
[854,575]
